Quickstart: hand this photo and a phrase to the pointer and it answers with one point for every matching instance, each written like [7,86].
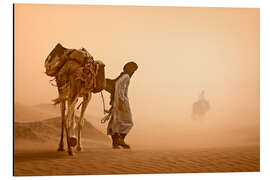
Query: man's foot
[125,146]
[115,140]
[122,143]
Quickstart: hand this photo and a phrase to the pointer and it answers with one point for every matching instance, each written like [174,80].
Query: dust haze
[179,51]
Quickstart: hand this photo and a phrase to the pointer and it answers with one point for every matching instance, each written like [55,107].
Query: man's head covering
[130,66]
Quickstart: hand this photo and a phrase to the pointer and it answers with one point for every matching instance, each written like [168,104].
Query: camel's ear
[100,63]
[59,48]
[59,45]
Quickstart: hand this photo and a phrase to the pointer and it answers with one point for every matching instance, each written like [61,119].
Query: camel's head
[52,62]
[100,78]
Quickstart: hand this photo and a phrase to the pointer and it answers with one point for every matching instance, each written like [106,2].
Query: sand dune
[24,113]
[48,130]
[41,123]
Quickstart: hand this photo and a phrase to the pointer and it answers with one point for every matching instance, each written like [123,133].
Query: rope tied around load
[50,81]
[108,113]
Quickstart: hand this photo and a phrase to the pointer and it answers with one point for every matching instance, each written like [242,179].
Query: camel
[200,107]
[77,76]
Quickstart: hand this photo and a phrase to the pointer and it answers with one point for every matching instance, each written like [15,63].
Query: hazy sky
[180,51]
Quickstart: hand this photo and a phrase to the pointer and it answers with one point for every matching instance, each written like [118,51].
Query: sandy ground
[193,148]
[99,158]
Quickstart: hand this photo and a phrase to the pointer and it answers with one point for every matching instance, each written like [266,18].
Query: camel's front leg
[85,102]
[62,107]
[71,109]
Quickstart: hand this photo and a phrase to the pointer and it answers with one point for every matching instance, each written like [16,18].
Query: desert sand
[101,159]
[36,141]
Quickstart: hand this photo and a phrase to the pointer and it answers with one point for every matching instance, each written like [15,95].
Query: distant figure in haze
[200,107]
[121,118]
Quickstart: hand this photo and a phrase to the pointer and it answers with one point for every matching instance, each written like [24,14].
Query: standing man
[121,119]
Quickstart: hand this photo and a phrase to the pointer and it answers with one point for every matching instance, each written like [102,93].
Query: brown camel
[77,76]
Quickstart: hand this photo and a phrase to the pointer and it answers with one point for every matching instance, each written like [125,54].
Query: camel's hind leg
[85,102]
[68,120]
[62,107]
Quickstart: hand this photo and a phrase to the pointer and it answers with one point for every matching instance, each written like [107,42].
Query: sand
[101,159]
[36,141]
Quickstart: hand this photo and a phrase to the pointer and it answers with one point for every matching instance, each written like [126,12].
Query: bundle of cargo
[63,62]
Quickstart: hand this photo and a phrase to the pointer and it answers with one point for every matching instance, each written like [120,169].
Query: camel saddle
[90,72]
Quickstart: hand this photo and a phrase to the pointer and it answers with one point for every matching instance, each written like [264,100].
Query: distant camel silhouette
[200,107]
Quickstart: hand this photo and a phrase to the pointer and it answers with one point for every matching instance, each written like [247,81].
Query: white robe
[121,120]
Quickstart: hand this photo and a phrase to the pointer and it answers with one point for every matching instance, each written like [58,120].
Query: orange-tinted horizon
[179,50]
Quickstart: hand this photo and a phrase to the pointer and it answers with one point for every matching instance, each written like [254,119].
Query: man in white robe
[121,119]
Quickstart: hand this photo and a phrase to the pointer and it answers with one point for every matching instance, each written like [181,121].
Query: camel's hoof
[116,147]
[79,149]
[70,153]
[60,149]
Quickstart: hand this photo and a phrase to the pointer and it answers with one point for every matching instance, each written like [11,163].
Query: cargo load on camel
[61,62]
